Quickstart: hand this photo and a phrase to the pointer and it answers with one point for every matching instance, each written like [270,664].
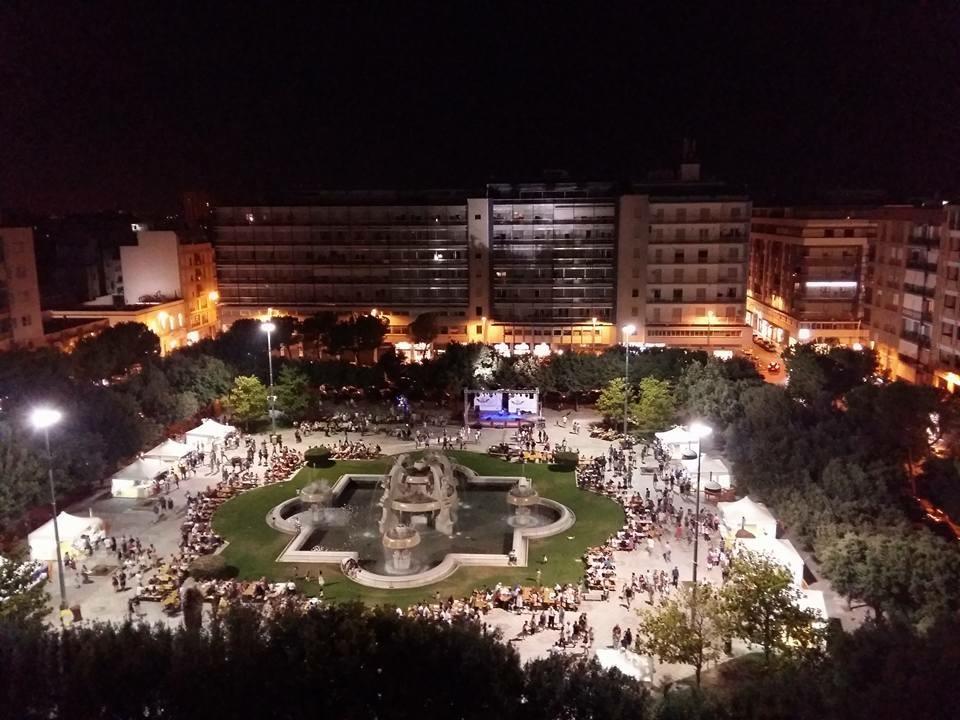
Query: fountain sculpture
[398,542]
[522,497]
[318,495]
[420,492]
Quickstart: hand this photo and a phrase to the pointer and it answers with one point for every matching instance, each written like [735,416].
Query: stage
[504,419]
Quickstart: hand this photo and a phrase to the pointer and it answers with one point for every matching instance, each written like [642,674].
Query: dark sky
[123,105]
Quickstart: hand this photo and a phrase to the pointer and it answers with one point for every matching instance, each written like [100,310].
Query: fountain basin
[483,536]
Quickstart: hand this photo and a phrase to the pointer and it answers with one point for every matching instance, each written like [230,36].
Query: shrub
[209,567]
[317,456]
[566,460]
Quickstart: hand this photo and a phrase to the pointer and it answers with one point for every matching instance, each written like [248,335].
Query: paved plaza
[135,518]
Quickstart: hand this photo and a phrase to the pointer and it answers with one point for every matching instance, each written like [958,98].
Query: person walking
[675,576]
[667,550]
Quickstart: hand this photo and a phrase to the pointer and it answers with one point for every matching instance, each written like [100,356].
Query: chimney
[689,165]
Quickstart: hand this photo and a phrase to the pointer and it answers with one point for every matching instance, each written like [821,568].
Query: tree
[566,687]
[369,331]
[115,351]
[23,598]
[248,399]
[762,605]
[905,576]
[424,328]
[685,628]
[316,329]
[655,409]
[610,404]
[293,391]
[21,477]
[206,377]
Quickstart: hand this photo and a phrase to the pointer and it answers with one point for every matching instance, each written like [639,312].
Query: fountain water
[523,497]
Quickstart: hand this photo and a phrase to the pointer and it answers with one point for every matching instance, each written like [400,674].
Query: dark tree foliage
[343,662]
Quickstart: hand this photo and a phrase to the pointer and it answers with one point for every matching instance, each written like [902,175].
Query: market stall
[207,433]
[136,480]
[746,514]
[72,528]
[169,451]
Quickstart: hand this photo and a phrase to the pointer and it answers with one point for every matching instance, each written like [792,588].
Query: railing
[915,337]
[920,265]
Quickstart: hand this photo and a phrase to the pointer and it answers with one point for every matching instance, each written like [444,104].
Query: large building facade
[555,265]
[21,323]
[807,273]
[908,290]
[164,282]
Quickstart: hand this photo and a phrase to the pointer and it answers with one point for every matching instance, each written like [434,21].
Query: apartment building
[21,324]
[947,303]
[165,283]
[399,254]
[682,260]
[528,267]
[907,285]
[552,264]
[806,275]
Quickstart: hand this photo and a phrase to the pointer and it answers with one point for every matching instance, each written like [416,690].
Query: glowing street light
[628,330]
[268,328]
[44,418]
[700,430]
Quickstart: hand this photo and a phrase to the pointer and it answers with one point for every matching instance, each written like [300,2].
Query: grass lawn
[254,545]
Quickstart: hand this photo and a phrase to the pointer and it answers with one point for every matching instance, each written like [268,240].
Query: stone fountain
[522,497]
[420,492]
[317,495]
[398,543]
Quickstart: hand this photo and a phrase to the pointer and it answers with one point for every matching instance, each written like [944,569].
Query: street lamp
[628,330]
[701,431]
[268,327]
[43,418]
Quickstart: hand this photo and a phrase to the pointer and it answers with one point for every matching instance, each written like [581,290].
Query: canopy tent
[169,450]
[676,436]
[780,551]
[813,600]
[207,432]
[749,515]
[43,545]
[678,440]
[629,663]
[136,479]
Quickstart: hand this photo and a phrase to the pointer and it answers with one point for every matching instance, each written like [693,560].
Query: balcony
[927,267]
[924,242]
[927,292]
[916,338]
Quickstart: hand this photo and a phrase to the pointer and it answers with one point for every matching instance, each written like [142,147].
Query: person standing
[675,576]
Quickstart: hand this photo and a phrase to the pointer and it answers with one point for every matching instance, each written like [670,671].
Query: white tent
[136,479]
[813,600]
[676,436]
[780,551]
[627,662]
[169,450]
[207,432]
[750,515]
[43,546]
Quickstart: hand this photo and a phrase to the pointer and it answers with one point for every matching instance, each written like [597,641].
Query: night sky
[125,105]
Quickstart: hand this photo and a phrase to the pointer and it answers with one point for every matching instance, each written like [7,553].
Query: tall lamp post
[43,418]
[268,327]
[701,431]
[628,330]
